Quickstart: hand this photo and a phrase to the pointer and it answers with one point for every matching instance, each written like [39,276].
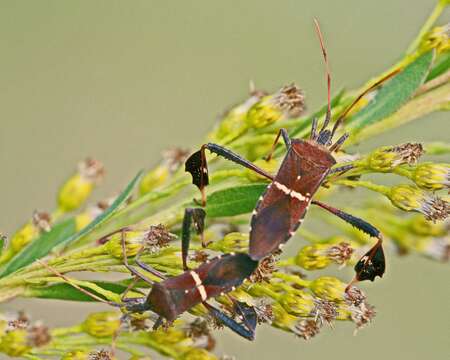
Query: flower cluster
[283,292]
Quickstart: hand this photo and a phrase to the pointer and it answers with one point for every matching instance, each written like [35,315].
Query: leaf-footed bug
[306,165]
[174,295]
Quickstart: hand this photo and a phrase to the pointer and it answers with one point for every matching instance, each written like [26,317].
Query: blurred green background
[122,80]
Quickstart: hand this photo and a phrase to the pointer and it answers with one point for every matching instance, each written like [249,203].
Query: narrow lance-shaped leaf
[41,246]
[64,291]
[395,93]
[106,214]
[234,201]
[63,234]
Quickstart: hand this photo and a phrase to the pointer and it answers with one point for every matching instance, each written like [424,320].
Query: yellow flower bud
[386,158]
[234,241]
[281,318]
[270,166]
[154,179]
[77,189]
[299,303]
[74,193]
[286,103]
[328,288]
[198,354]
[422,227]
[15,343]
[76,355]
[313,257]
[233,123]
[432,176]
[411,198]
[438,38]
[23,236]
[102,324]
[133,243]
[82,220]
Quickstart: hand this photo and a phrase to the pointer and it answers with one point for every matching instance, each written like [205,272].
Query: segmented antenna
[325,58]
[360,96]
[76,286]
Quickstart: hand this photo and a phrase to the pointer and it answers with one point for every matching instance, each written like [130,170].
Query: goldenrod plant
[285,291]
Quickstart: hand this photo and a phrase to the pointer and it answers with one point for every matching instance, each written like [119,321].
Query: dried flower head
[199,256]
[286,103]
[174,157]
[264,270]
[388,157]
[411,198]
[306,329]
[39,335]
[157,237]
[362,314]
[354,296]
[42,221]
[101,355]
[264,312]
[91,169]
[340,253]
[324,311]
[291,99]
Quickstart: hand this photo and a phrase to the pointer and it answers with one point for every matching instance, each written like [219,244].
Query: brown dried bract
[306,329]
[435,208]
[291,99]
[354,296]
[38,335]
[101,355]
[324,311]
[174,157]
[42,221]
[340,253]
[91,169]
[408,153]
[264,270]
[158,237]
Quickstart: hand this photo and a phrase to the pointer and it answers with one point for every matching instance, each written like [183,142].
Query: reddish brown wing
[178,294]
[284,204]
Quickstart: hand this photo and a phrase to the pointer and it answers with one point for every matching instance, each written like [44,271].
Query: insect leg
[146,267]
[196,165]
[341,169]
[313,135]
[240,329]
[198,215]
[336,146]
[372,264]
[129,267]
[286,139]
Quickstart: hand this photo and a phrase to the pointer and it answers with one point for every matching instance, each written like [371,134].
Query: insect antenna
[341,118]
[76,286]
[325,58]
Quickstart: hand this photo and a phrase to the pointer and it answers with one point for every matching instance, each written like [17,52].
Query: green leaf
[106,214]
[64,233]
[64,291]
[395,93]
[234,201]
[441,66]
[41,246]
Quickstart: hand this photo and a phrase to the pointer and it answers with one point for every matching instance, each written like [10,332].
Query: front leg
[198,216]
[197,166]
[247,313]
[373,263]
